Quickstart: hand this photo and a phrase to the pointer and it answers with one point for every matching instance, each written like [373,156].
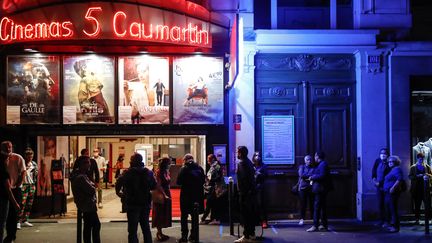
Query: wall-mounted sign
[278,139]
[33,89]
[115,21]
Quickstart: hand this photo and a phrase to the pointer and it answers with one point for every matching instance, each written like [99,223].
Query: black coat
[246,183]
[191,178]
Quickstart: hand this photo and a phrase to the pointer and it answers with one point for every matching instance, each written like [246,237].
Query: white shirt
[101,163]
[15,165]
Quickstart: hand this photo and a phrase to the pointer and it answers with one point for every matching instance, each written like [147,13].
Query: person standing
[246,187]
[134,185]
[7,198]
[261,175]
[214,178]
[101,165]
[161,213]
[417,173]
[320,187]
[159,86]
[379,171]
[84,193]
[16,169]
[392,183]
[305,188]
[28,189]
[191,178]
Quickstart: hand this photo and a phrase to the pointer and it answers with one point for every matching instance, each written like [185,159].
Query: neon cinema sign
[94,25]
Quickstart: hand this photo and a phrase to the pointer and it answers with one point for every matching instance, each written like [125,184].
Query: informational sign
[69,114]
[89,86]
[33,86]
[278,140]
[144,86]
[219,150]
[198,86]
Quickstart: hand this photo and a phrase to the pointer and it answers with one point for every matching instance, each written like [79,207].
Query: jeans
[92,227]
[210,207]
[381,207]
[418,198]
[4,208]
[306,197]
[135,215]
[12,217]
[320,209]
[391,204]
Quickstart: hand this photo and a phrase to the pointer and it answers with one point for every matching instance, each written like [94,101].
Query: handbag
[158,197]
[295,188]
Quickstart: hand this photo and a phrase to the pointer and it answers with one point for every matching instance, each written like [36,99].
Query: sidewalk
[349,231]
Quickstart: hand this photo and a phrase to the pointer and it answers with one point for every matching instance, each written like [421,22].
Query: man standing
[246,187]
[135,185]
[191,178]
[15,166]
[101,164]
[159,86]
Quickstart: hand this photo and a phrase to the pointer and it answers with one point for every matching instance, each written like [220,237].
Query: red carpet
[175,196]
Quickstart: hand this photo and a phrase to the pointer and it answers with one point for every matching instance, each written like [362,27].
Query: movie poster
[47,152]
[89,86]
[198,90]
[143,90]
[33,90]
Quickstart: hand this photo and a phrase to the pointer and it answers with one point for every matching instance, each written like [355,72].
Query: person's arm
[398,181]
[152,181]
[180,176]
[23,171]
[412,174]
[374,170]
[85,185]
[119,185]
[11,196]
[320,172]
[95,170]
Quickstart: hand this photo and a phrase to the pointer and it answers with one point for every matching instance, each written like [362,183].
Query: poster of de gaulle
[89,86]
[33,88]
[198,90]
[143,90]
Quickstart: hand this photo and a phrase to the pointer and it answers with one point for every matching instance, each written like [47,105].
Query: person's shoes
[385,225]
[392,229]
[417,222]
[161,237]
[252,237]
[203,222]
[242,239]
[301,222]
[27,224]
[100,205]
[19,226]
[322,228]
[312,229]
[214,222]
[182,240]
[191,239]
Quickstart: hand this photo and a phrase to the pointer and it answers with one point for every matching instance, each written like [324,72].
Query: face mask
[383,156]
[95,154]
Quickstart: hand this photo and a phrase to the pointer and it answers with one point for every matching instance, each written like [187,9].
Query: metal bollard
[195,223]
[427,202]
[230,204]
[79,226]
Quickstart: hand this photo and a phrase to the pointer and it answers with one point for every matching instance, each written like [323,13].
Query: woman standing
[392,184]
[161,213]
[28,189]
[260,178]
[305,188]
[417,173]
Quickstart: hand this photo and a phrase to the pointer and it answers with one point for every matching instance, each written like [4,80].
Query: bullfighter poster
[198,87]
[143,90]
[33,90]
[89,86]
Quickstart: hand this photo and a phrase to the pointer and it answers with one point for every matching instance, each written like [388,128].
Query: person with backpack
[135,185]
[191,178]
[417,173]
[394,184]
[321,185]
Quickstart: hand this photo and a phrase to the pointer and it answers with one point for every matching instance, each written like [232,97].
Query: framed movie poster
[198,90]
[89,87]
[143,90]
[219,150]
[33,90]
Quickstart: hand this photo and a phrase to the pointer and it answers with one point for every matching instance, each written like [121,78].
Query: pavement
[350,231]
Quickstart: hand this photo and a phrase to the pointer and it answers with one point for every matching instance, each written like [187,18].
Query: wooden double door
[324,116]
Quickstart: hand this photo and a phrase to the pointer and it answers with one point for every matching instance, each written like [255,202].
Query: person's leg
[132,216]
[310,198]
[87,227]
[207,208]
[100,185]
[395,210]
[417,204]
[96,226]
[4,208]
[11,223]
[303,203]
[184,224]
[317,209]
[144,215]
[381,205]
[24,194]
[324,220]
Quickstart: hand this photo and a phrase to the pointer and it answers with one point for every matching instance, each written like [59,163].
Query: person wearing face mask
[392,189]
[102,165]
[379,171]
[417,173]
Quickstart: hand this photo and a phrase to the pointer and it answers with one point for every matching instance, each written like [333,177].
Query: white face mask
[96,154]
[383,156]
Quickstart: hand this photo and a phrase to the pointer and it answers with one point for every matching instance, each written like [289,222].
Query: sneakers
[214,222]
[242,239]
[27,224]
[18,226]
[392,229]
[301,222]
[100,205]
[322,228]
[312,229]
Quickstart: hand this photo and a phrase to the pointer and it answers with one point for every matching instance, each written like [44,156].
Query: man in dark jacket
[321,185]
[246,186]
[191,178]
[93,171]
[379,170]
[135,185]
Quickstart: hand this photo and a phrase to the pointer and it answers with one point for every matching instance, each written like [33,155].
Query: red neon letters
[95,26]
